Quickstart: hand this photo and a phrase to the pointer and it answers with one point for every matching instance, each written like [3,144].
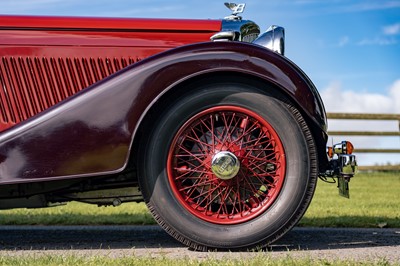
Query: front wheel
[228,167]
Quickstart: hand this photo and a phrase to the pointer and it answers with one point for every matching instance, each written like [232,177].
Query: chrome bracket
[343,168]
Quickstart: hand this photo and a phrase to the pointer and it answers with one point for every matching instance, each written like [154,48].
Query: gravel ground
[118,241]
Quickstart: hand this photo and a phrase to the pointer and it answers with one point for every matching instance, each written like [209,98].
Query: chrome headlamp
[273,39]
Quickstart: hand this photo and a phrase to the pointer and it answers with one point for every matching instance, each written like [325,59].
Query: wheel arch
[264,84]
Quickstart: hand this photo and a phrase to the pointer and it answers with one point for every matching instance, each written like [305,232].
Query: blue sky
[349,48]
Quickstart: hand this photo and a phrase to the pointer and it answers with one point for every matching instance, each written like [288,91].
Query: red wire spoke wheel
[226,165]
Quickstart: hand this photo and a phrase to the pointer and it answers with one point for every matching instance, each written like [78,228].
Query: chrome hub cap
[225,165]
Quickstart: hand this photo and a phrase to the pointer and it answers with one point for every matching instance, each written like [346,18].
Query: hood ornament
[236,9]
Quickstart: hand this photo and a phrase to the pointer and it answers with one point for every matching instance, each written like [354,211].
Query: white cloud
[336,99]
[377,41]
[343,41]
[392,29]
[388,37]
[371,5]
[395,94]
[346,101]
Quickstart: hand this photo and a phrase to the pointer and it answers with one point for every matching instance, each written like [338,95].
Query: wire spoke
[254,143]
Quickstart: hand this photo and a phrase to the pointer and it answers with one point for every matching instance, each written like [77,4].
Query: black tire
[233,229]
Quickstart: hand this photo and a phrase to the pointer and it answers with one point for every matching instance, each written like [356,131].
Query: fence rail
[364,116]
[364,133]
[379,168]
[347,116]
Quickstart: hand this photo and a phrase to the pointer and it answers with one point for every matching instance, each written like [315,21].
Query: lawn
[260,259]
[374,202]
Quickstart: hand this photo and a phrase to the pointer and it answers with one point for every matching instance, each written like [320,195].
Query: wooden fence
[346,116]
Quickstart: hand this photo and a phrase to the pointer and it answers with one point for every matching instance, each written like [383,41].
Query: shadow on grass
[351,221]
[317,238]
[37,237]
[77,219]
[147,219]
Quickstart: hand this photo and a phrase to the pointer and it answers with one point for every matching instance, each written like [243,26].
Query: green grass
[374,202]
[262,259]
[75,213]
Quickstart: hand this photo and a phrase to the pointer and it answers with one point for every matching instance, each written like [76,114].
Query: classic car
[206,121]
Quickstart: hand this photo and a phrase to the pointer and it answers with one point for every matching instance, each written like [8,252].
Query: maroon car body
[48,59]
[79,98]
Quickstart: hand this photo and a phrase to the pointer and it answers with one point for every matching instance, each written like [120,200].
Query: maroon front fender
[91,133]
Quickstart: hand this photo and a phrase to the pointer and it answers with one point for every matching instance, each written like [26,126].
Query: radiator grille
[31,85]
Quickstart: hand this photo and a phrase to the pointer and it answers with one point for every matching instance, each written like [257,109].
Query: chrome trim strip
[223,36]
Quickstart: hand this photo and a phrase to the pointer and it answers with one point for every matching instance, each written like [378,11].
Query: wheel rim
[226,165]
